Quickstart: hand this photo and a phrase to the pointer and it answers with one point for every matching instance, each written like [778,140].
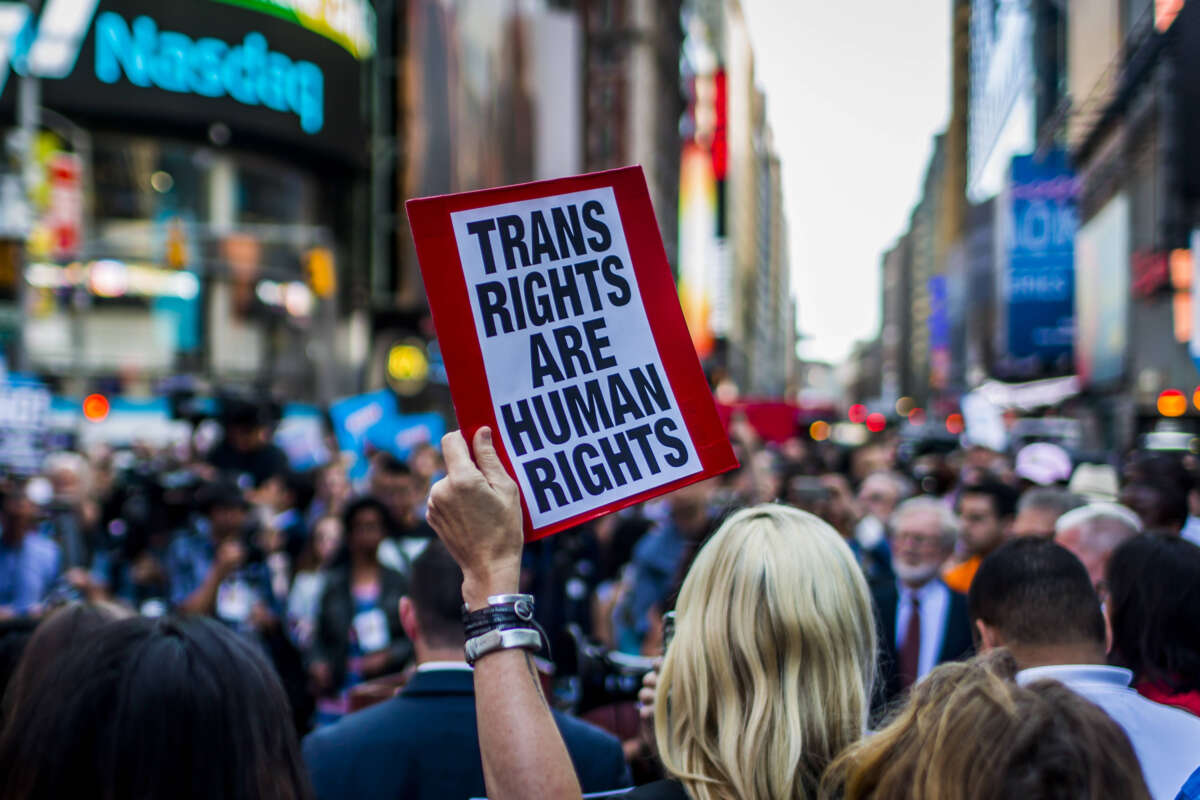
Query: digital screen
[183,66]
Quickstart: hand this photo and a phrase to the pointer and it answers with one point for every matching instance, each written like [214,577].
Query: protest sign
[560,328]
[24,424]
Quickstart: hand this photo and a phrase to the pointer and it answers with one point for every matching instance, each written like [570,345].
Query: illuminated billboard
[184,66]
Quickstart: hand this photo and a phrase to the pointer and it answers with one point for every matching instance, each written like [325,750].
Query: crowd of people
[208,624]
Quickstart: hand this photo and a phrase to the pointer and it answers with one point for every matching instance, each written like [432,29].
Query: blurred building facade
[175,230]
[179,194]
[1134,80]
[634,98]
[1053,233]
[734,264]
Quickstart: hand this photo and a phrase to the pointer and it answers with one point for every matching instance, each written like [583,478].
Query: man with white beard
[921,622]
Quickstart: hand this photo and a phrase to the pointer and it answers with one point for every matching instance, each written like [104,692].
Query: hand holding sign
[476,511]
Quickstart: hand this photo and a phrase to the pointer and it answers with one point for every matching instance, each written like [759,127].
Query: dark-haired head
[178,708]
[365,523]
[53,637]
[393,482]
[986,510]
[1161,503]
[15,634]
[1154,594]
[1032,596]
[1002,496]
[435,595]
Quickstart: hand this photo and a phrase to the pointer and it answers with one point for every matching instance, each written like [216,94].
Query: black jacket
[956,639]
[331,641]
[423,744]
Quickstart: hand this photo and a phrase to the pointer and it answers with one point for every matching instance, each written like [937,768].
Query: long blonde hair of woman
[770,672]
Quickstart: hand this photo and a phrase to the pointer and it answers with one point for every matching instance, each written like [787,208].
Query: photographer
[212,569]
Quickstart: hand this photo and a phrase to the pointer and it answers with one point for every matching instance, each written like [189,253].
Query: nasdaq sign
[247,72]
[250,73]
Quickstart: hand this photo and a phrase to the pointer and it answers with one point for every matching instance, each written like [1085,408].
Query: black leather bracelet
[503,612]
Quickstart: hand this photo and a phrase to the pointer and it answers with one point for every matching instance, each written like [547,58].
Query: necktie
[910,649]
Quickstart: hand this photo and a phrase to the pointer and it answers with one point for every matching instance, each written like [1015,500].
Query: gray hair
[924,504]
[900,485]
[1049,498]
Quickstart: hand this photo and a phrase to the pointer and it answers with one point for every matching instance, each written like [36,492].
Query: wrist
[477,588]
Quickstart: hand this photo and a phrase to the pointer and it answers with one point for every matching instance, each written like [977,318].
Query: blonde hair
[770,671]
[969,732]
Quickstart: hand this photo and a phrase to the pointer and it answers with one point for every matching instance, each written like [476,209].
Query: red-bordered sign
[560,328]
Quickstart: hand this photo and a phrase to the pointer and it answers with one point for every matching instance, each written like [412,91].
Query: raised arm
[476,511]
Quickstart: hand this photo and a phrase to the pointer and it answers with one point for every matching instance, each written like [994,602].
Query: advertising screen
[186,65]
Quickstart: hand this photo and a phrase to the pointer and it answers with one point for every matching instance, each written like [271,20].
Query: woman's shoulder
[659,790]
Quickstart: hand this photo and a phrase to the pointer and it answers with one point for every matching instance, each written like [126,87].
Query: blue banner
[1041,278]
[372,422]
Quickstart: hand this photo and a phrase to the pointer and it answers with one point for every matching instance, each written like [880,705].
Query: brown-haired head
[969,732]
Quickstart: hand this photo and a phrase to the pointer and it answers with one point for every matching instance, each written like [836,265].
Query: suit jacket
[957,643]
[423,744]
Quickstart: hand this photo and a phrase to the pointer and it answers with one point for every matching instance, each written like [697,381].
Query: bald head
[1093,532]
[880,492]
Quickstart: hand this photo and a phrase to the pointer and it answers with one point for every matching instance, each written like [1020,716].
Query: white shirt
[1191,530]
[869,532]
[1166,740]
[438,666]
[934,598]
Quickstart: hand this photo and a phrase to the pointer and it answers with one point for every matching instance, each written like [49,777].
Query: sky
[855,92]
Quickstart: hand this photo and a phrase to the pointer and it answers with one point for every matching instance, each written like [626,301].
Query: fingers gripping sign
[476,511]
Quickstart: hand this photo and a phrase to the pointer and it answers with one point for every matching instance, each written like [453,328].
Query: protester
[331,492]
[211,569]
[1160,504]
[775,591]
[285,498]
[986,510]
[358,633]
[420,744]
[308,583]
[1153,597]
[877,497]
[72,514]
[1039,509]
[245,454]
[970,733]
[426,464]
[476,511]
[1042,464]
[657,560]
[169,708]
[1095,483]
[29,561]
[393,483]
[778,594]
[922,622]
[1036,599]
[1093,532]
